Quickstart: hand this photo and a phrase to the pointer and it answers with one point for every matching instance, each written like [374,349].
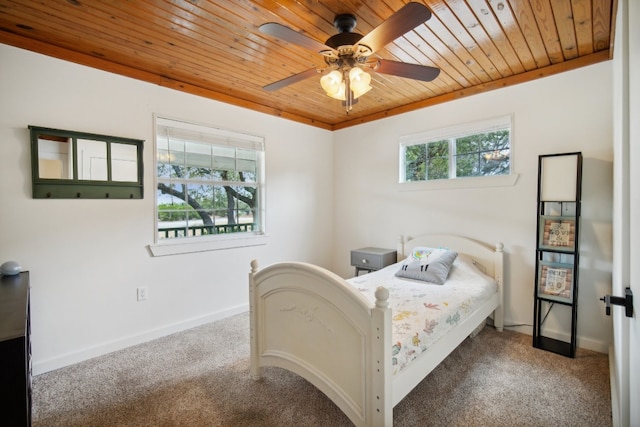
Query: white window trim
[459,183]
[183,246]
[462,182]
[162,247]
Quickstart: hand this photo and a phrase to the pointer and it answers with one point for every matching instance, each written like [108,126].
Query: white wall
[563,113]
[86,257]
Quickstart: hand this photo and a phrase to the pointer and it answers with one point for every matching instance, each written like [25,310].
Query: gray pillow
[427,264]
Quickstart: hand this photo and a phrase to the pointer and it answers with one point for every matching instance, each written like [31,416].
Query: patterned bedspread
[424,312]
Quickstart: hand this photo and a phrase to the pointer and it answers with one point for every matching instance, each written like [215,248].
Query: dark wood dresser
[15,351]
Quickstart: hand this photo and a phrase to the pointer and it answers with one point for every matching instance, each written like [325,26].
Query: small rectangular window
[472,150]
[209,181]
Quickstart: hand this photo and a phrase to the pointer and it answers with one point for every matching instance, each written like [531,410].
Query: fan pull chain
[348,94]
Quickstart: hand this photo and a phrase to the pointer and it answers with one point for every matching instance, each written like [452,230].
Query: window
[209,182]
[474,150]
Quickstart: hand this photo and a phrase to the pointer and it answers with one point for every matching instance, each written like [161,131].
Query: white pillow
[427,264]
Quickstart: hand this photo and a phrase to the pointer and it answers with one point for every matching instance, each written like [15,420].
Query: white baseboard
[40,367]
[582,342]
[586,343]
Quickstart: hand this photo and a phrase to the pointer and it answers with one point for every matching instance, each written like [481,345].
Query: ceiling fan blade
[291,79]
[285,33]
[410,71]
[404,20]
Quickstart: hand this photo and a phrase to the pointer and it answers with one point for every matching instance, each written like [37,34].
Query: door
[634,144]
[626,271]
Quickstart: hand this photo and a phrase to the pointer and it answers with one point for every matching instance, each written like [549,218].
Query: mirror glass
[54,153]
[124,166]
[92,160]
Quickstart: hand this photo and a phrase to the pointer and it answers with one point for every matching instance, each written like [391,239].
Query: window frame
[455,132]
[190,244]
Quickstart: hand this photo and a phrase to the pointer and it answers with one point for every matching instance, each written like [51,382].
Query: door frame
[625,366]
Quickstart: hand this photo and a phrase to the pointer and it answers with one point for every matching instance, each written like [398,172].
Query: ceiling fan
[349,54]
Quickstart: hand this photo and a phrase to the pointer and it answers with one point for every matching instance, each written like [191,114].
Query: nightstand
[372,259]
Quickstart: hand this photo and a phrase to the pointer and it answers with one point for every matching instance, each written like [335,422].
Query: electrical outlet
[143,294]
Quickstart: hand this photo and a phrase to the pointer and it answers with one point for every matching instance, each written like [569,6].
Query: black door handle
[626,301]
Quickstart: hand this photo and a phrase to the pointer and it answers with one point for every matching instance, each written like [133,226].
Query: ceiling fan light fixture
[494,155]
[344,53]
[335,86]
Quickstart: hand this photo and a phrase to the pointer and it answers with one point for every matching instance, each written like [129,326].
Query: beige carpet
[200,378]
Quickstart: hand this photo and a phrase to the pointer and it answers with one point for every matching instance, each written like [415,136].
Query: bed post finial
[382,297]
[254,265]
[499,247]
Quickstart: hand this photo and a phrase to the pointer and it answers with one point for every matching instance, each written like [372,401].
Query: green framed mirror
[77,165]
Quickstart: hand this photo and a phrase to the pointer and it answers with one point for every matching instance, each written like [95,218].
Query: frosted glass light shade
[333,85]
[359,82]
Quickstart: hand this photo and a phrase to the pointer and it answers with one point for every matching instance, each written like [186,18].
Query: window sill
[186,246]
[458,183]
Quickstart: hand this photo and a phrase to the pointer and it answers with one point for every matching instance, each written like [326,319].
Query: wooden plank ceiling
[214,49]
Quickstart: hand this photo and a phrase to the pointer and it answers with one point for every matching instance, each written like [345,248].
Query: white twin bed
[368,341]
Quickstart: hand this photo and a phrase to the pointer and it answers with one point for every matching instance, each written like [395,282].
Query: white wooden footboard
[310,321]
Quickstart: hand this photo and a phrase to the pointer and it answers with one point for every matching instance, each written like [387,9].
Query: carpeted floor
[200,378]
